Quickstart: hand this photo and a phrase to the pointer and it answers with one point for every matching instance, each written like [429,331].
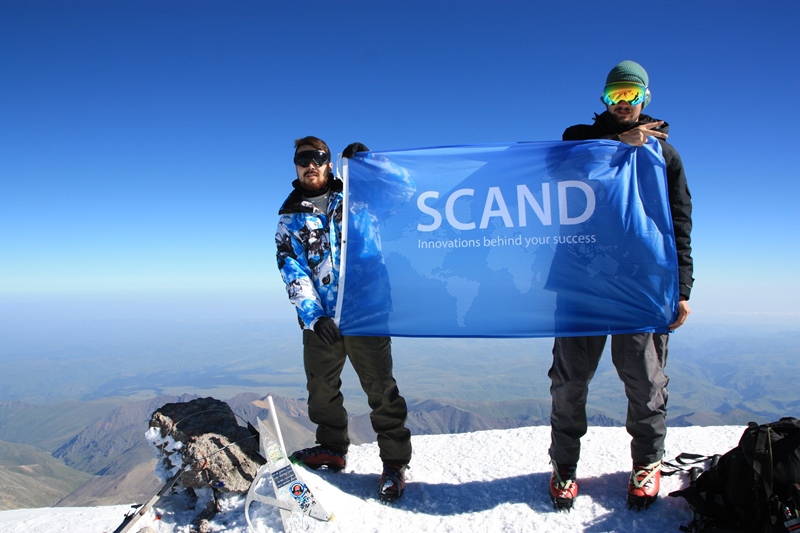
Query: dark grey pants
[640,359]
[371,358]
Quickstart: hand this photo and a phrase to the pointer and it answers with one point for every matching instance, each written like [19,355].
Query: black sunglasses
[304,158]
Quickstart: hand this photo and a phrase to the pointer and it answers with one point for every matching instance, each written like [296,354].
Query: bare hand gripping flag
[536,239]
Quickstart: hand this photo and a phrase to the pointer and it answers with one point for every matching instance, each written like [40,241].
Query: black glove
[327,330]
[352,148]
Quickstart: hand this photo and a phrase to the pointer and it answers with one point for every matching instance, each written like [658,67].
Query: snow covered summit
[487,481]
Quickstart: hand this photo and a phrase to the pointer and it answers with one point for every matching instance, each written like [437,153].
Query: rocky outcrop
[204,438]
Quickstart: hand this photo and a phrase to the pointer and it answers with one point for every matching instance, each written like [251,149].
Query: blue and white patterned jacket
[309,249]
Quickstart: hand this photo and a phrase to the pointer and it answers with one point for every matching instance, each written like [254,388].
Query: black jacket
[680,200]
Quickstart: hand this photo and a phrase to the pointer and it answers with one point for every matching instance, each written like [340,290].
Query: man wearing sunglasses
[308,240]
[640,358]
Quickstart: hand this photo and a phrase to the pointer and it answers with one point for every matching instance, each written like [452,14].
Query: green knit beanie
[630,71]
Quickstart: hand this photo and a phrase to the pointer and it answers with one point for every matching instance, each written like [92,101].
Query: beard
[626,119]
[311,190]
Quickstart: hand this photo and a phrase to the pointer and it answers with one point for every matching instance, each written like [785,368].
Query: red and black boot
[563,487]
[644,485]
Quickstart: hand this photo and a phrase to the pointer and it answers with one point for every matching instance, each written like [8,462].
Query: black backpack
[754,488]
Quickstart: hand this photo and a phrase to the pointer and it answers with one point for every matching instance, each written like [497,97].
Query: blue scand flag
[535,239]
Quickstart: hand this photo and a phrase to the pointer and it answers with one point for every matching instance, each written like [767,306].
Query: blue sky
[146,146]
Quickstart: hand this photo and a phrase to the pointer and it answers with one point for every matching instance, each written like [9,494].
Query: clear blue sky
[145,146]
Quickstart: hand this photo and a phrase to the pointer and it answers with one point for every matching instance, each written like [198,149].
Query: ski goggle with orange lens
[304,158]
[633,93]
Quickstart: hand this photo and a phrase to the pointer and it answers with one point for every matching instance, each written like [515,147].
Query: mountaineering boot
[319,456]
[563,487]
[644,484]
[393,482]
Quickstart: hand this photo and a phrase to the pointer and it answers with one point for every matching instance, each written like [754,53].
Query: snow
[486,481]
[170,447]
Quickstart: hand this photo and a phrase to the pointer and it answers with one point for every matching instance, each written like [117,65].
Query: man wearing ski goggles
[640,358]
[625,101]
[309,251]
[314,169]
